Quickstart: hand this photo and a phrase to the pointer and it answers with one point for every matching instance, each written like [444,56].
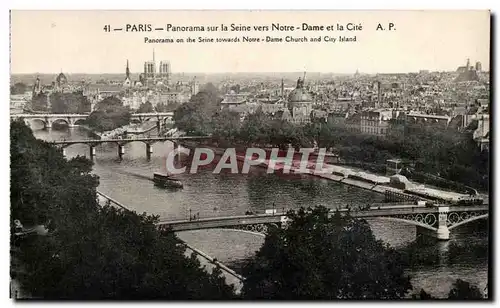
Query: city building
[61,81]
[195,86]
[479,67]
[438,121]
[482,134]
[37,87]
[299,105]
[375,122]
[19,101]
[150,76]
[232,100]
[463,69]
[467,73]
[127,82]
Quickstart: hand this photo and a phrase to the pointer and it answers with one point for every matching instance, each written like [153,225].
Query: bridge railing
[111,201]
[98,141]
[50,115]
[213,261]
[372,211]
[372,207]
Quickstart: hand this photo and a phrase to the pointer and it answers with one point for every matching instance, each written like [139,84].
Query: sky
[76,42]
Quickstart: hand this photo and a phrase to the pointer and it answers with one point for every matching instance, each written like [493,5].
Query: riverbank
[396,188]
[340,175]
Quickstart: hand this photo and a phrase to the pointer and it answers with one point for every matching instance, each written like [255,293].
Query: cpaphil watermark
[305,160]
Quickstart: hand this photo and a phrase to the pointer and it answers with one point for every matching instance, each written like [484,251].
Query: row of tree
[161,107]
[100,252]
[202,115]
[446,153]
[73,102]
[195,116]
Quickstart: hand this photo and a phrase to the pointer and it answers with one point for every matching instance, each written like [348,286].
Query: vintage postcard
[255,155]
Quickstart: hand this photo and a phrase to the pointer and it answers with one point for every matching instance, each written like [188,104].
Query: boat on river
[165,180]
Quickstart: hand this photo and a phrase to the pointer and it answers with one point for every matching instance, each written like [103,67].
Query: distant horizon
[249,72]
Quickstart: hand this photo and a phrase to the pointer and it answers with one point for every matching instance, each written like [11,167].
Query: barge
[164,180]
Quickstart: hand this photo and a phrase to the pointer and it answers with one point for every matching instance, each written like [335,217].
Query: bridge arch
[244,231]
[94,144]
[168,120]
[151,142]
[79,122]
[31,121]
[61,120]
[469,220]
[410,222]
[67,145]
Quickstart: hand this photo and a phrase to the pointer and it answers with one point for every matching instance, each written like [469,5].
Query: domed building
[61,83]
[299,94]
[61,79]
[299,104]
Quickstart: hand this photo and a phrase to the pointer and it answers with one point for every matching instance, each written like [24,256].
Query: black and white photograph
[258,155]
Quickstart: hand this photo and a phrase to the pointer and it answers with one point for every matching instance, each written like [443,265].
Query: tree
[18,88]
[255,128]
[464,290]
[422,295]
[446,152]
[93,251]
[195,116]
[39,102]
[161,107]
[146,107]
[226,124]
[74,102]
[235,88]
[108,115]
[318,256]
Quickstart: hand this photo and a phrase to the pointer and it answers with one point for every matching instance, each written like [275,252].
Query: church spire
[127,71]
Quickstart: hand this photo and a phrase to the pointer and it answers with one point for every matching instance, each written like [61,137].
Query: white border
[191,4]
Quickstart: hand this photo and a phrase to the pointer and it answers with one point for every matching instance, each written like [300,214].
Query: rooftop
[432,116]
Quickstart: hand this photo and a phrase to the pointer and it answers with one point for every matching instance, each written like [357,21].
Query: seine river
[434,266]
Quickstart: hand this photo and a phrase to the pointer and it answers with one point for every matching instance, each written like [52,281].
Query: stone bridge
[436,221]
[47,119]
[149,141]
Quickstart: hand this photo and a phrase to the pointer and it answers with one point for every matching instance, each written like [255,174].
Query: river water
[434,266]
